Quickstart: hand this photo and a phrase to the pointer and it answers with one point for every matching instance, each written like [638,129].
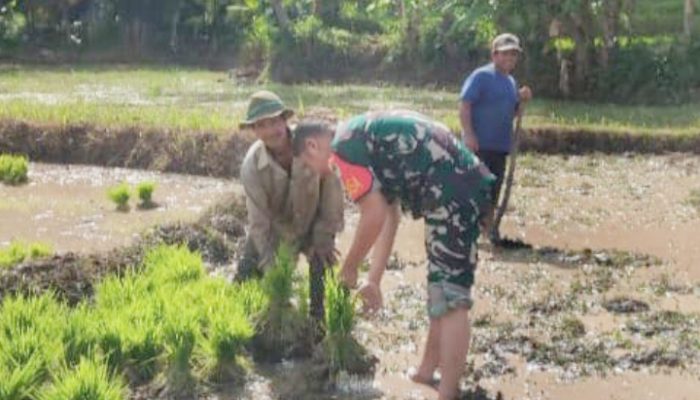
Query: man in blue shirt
[490,99]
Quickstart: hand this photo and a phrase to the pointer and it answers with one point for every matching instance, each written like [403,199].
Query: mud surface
[604,305]
[67,206]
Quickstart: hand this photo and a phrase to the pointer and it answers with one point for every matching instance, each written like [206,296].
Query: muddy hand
[371,296]
[329,257]
[349,277]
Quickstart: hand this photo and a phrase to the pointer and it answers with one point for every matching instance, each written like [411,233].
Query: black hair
[307,129]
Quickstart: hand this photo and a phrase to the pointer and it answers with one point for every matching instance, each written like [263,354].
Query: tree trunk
[688,12]
[609,24]
[583,35]
[173,28]
[281,14]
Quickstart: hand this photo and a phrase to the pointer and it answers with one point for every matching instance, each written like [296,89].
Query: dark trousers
[496,163]
[248,269]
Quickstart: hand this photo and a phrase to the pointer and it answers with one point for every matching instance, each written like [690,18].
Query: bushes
[13,169]
[646,74]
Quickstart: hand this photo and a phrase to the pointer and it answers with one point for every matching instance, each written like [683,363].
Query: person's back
[414,159]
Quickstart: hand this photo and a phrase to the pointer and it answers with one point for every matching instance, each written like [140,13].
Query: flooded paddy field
[66,206]
[605,305]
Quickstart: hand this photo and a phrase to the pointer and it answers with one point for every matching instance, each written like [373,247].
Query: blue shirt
[494,99]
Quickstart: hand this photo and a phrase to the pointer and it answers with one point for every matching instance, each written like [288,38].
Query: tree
[688,12]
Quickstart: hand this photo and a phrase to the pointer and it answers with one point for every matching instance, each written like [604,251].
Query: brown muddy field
[606,305]
[67,207]
[582,316]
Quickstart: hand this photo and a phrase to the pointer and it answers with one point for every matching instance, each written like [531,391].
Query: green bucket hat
[264,104]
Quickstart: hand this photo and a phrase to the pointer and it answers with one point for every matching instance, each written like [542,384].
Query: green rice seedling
[89,380]
[80,335]
[225,336]
[18,252]
[13,169]
[173,265]
[21,382]
[281,328]
[251,297]
[30,332]
[130,334]
[120,195]
[115,293]
[180,333]
[145,193]
[339,351]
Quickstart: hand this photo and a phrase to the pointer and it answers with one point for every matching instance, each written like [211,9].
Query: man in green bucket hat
[286,201]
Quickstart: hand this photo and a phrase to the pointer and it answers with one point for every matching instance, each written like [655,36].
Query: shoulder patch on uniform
[357,180]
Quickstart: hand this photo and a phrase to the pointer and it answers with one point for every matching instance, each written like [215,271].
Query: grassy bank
[198,100]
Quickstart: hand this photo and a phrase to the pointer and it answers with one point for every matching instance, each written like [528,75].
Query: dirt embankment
[571,141]
[220,155]
[209,154]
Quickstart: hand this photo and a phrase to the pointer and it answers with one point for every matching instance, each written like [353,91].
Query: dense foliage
[621,50]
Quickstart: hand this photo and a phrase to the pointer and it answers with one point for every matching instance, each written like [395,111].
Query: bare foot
[427,380]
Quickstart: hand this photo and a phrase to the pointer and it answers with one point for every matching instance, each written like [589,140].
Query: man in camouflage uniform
[402,157]
[286,201]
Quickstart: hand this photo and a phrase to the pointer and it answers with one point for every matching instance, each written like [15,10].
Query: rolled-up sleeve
[259,219]
[330,213]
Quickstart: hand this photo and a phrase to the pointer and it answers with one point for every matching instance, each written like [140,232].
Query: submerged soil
[606,304]
[67,206]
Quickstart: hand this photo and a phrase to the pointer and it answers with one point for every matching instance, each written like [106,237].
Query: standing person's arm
[470,94]
[468,134]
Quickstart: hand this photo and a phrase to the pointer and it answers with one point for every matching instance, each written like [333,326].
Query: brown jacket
[304,210]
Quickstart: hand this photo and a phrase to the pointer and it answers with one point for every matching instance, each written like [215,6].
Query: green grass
[13,169]
[18,252]
[120,195]
[198,100]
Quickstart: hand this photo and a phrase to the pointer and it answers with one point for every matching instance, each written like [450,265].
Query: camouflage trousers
[451,232]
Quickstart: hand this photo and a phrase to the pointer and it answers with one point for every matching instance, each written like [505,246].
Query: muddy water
[636,204]
[67,206]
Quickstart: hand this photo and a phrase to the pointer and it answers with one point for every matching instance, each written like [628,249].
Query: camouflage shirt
[410,158]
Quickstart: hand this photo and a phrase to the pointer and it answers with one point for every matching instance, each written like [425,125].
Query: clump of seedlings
[120,196]
[136,328]
[144,190]
[282,328]
[13,169]
[339,352]
[89,380]
[18,252]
